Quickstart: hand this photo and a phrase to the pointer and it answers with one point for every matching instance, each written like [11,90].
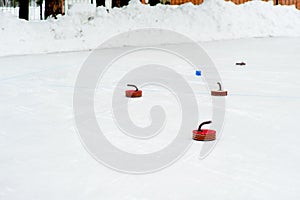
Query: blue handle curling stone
[198,73]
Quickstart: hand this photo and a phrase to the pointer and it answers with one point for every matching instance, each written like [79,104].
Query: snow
[85,27]
[257,157]
[41,156]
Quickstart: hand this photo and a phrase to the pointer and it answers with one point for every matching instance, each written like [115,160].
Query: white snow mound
[85,27]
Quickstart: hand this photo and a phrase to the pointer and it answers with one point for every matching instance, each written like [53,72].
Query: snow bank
[85,27]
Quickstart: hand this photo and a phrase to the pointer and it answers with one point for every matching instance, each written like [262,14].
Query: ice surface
[41,156]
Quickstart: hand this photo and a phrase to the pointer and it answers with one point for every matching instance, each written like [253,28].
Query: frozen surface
[41,156]
[85,26]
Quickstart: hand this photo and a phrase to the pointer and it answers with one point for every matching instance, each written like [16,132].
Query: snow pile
[85,27]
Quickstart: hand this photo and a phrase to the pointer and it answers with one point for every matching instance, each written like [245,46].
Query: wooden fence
[276,2]
[178,2]
[239,1]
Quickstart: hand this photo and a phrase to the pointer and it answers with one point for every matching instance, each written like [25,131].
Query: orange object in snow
[133,93]
[204,134]
[219,92]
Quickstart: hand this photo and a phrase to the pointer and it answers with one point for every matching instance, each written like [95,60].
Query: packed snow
[257,157]
[41,155]
[85,27]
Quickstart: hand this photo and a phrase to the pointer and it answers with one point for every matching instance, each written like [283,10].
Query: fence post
[54,7]
[24,9]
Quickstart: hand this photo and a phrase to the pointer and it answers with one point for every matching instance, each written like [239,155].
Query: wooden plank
[298,4]
[237,2]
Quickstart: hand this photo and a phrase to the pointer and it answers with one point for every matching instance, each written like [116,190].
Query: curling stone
[133,93]
[219,92]
[198,73]
[240,63]
[204,134]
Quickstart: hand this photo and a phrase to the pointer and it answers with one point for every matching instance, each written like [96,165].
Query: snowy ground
[41,156]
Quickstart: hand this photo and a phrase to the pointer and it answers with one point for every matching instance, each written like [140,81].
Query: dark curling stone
[240,63]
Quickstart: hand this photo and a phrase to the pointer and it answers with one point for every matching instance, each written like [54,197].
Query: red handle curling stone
[204,134]
[219,92]
[133,93]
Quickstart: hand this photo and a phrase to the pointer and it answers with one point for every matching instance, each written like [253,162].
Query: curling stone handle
[220,86]
[136,88]
[203,123]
